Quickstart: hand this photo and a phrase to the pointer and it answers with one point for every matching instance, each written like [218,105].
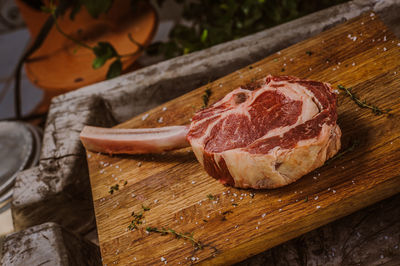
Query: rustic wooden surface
[175,187]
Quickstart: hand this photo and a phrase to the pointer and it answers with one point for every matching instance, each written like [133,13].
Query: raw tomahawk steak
[265,134]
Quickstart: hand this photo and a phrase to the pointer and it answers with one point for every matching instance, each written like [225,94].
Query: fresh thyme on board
[113,188]
[353,145]
[206,97]
[137,218]
[211,197]
[187,236]
[362,103]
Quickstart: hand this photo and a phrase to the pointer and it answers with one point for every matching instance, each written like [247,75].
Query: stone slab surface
[48,244]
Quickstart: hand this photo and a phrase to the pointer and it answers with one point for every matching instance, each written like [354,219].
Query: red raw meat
[265,134]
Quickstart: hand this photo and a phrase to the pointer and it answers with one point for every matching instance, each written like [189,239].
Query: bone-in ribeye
[265,134]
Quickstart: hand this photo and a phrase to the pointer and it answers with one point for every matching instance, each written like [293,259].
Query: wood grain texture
[175,186]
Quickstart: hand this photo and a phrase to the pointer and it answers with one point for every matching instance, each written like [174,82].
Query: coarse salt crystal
[314,177]
[279,200]
[234,194]
[181,217]
[263,215]
[353,64]
[333,191]
[155,201]
[139,164]
[318,207]
[89,156]
[384,38]
[144,117]
[193,182]
[384,49]
[164,109]
[372,14]
[160,120]
[316,197]
[280,210]
[256,227]
[163,259]
[279,52]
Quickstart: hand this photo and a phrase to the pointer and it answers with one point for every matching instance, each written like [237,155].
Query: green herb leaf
[206,97]
[113,188]
[204,35]
[96,7]
[362,103]
[353,145]
[75,10]
[145,208]
[103,52]
[187,236]
[115,69]
[211,197]
[309,53]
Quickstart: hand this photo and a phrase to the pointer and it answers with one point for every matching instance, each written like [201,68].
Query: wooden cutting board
[235,223]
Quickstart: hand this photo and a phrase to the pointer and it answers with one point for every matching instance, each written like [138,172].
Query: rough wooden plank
[173,184]
[48,244]
[368,237]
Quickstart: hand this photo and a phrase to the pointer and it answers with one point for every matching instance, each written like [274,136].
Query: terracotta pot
[60,65]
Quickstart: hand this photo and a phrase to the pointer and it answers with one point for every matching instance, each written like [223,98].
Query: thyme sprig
[113,188]
[206,97]
[353,145]
[137,218]
[362,103]
[187,236]
[211,197]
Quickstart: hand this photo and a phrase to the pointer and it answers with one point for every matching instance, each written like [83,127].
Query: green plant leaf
[96,7]
[103,51]
[75,10]
[98,62]
[204,35]
[115,69]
